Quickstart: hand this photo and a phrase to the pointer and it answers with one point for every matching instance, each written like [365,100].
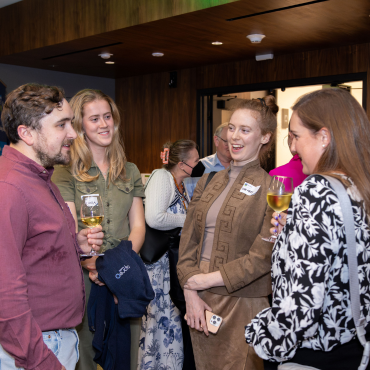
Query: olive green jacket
[238,251]
[117,198]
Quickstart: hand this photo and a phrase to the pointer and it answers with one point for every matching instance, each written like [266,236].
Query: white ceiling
[4,3]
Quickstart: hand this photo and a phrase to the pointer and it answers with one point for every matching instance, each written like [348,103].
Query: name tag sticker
[249,189]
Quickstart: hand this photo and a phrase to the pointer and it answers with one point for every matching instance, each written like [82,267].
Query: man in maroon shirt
[41,283]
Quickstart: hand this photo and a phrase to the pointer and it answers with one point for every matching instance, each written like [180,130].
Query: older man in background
[215,162]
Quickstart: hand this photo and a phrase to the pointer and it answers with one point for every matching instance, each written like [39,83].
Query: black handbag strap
[209,178]
[354,285]
[354,289]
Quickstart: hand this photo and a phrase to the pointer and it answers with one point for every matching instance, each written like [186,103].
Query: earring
[323,145]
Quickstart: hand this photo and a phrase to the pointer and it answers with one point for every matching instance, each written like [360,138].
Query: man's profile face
[221,145]
[54,138]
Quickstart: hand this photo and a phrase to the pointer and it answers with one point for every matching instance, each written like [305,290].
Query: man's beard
[47,161]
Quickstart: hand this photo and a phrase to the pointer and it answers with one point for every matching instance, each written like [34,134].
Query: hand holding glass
[92,214]
[278,197]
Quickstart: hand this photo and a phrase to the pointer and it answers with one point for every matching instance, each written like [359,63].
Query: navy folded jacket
[125,276]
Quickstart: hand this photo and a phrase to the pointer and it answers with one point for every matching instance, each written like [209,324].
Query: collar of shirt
[16,156]
[212,162]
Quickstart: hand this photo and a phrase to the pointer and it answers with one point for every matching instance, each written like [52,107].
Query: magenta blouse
[292,169]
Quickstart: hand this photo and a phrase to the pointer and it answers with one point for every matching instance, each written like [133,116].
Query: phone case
[213,322]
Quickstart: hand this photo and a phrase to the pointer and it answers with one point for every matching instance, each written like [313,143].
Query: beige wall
[285,100]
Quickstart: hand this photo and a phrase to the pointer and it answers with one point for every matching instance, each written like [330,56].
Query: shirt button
[44,171]
[108,221]
[107,204]
[126,189]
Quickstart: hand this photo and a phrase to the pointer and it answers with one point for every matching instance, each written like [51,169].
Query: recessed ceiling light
[109,62]
[217,43]
[105,55]
[157,54]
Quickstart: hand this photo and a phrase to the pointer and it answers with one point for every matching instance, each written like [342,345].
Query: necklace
[105,172]
[183,194]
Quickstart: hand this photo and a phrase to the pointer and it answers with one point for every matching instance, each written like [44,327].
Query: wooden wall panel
[324,62]
[153,113]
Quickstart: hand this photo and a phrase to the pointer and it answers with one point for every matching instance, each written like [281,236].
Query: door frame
[207,94]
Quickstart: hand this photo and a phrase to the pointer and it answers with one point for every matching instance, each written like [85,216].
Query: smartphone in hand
[213,321]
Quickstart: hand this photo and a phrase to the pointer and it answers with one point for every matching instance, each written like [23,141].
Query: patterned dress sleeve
[301,261]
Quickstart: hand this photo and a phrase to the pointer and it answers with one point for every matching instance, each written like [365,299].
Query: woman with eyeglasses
[166,205]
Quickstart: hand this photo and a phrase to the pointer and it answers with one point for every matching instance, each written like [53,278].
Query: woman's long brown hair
[349,148]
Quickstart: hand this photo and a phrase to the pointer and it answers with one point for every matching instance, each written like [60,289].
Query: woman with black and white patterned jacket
[310,321]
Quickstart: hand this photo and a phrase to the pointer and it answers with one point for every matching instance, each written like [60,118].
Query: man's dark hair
[27,105]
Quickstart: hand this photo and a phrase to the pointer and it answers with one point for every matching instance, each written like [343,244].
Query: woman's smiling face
[98,123]
[244,136]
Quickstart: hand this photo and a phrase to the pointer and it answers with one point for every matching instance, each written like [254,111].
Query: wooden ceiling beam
[33,24]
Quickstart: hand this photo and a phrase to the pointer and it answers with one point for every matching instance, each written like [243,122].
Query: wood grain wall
[153,113]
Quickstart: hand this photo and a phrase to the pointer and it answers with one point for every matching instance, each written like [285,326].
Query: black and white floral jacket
[311,302]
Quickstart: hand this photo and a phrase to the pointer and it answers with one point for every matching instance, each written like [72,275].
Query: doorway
[214,107]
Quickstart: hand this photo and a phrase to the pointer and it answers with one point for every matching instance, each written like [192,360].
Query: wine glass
[92,214]
[278,197]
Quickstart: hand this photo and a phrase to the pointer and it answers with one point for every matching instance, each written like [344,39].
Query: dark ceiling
[186,39]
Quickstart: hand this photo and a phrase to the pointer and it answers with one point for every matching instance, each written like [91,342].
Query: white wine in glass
[92,221]
[278,197]
[92,214]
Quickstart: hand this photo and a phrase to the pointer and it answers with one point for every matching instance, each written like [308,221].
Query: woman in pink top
[292,169]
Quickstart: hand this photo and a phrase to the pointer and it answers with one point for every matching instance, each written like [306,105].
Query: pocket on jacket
[126,187]
[86,189]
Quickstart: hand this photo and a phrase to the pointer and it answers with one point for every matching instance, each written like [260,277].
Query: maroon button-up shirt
[41,281]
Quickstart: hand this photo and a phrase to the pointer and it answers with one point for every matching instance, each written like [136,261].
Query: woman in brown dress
[224,265]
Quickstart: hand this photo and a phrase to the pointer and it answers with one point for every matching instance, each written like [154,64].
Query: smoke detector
[105,55]
[255,38]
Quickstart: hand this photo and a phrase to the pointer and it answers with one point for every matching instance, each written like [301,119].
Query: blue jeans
[63,343]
